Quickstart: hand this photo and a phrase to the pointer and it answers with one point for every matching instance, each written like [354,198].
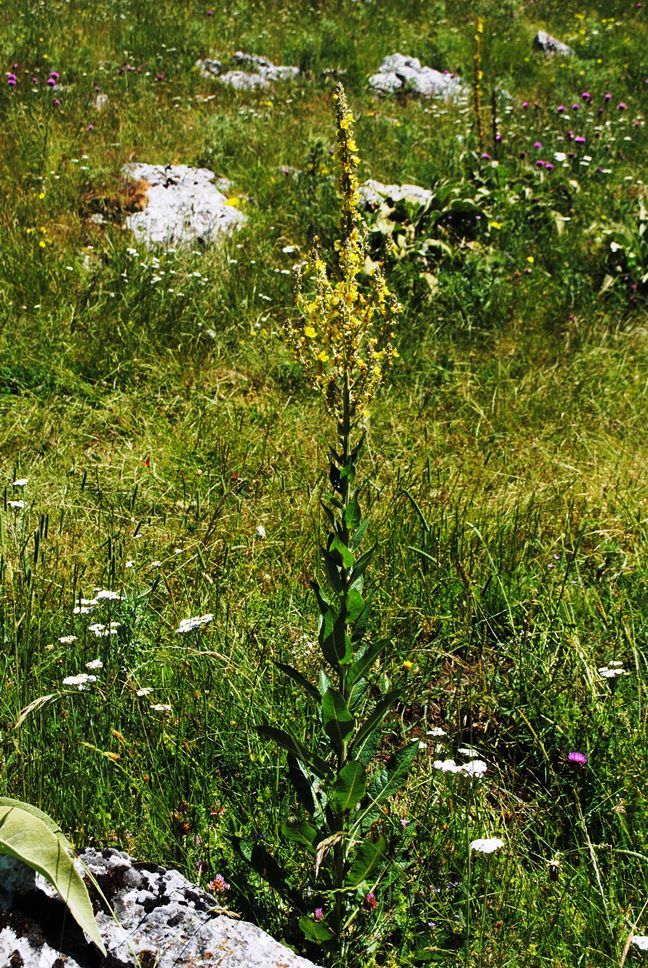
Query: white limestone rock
[160,919]
[246,72]
[399,73]
[374,193]
[551,46]
[183,205]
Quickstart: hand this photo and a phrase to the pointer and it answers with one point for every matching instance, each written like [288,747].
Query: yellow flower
[496,225]
[530,259]
[41,195]
[310,332]
[323,356]
[407,665]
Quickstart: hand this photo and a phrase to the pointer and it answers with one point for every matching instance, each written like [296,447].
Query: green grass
[163,421]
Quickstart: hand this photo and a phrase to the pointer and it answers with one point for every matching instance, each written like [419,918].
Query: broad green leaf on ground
[34,838]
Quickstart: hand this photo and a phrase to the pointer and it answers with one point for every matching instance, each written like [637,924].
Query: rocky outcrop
[182,205]
[154,917]
[246,72]
[400,74]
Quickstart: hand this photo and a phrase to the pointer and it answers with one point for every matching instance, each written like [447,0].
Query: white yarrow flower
[105,595]
[640,941]
[189,624]
[446,766]
[20,481]
[161,707]
[467,752]
[17,505]
[261,531]
[486,845]
[95,664]
[82,681]
[144,691]
[476,769]
[436,731]
[67,639]
[612,671]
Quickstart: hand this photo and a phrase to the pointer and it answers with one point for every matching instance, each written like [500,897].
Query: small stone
[246,72]
[373,193]
[551,46]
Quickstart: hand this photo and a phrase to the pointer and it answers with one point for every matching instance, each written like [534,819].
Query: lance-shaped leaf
[338,547]
[288,742]
[351,514]
[301,680]
[302,784]
[363,664]
[367,858]
[34,838]
[336,718]
[334,641]
[355,604]
[375,718]
[361,564]
[349,787]
[387,782]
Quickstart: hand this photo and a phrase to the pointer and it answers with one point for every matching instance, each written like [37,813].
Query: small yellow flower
[407,665]
[41,195]
[323,356]
[310,332]
[42,243]
[530,259]
[496,225]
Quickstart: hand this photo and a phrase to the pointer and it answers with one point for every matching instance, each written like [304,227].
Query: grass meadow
[169,450]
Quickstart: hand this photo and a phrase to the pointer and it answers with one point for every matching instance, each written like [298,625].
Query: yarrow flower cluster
[189,624]
[486,845]
[80,682]
[344,339]
[612,670]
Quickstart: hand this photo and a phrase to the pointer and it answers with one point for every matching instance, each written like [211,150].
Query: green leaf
[34,838]
[360,566]
[375,718]
[302,784]
[389,780]
[334,642]
[267,867]
[355,604]
[300,832]
[288,742]
[336,718]
[301,680]
[349,787]
[358,535]
[315,931]
[367,857]
[346,555]
[351,514]
[362,665]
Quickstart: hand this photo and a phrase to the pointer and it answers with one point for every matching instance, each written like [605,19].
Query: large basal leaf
[367,858]
[349,787]
[336,718]
[34,838]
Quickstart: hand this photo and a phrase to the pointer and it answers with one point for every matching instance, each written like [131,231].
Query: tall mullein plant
[344,341]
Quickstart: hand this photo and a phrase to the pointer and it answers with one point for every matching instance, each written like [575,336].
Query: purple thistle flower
[12,80]
[51,81]
[575,107]
[56,102]
[580,139]
[561,108]
[485,156]
[537,145]
[498,138]
[586,96]
[622,106]
[55,75]
[540,163]
[318,914]
[607,96]
[525,105]
[549,166]
[576,760]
